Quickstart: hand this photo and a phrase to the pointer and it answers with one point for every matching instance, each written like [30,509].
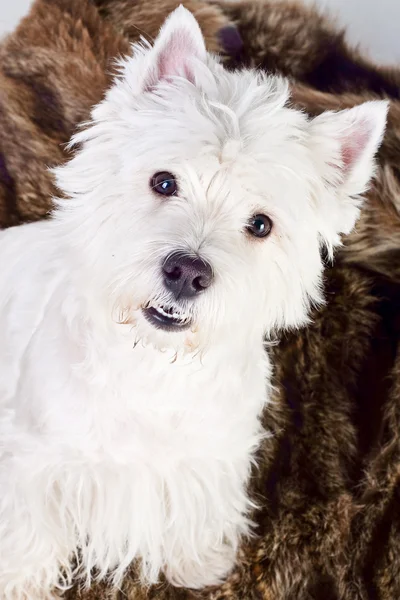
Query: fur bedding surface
[328,479]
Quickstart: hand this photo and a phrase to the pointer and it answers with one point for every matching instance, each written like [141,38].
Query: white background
[374,24]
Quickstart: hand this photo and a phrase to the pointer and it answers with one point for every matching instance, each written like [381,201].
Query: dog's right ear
[178,45]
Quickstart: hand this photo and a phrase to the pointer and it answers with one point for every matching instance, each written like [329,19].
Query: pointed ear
[179,42]
[344,145]
[347,142]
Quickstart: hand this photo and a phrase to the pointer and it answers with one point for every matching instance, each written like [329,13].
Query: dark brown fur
[328,479]
[290,38]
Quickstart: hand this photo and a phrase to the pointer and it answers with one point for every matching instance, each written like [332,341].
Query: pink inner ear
[173,59]
[354,144]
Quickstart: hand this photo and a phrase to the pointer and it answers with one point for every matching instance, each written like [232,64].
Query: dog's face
[200,200]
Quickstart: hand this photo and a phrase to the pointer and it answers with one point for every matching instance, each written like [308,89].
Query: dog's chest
[155,410]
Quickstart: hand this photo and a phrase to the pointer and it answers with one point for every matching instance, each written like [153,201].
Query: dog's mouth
[168,318]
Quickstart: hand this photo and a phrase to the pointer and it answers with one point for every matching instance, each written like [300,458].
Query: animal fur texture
[328,479]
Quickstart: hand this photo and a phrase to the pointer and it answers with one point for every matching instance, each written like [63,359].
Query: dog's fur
[325,531]
[121,440]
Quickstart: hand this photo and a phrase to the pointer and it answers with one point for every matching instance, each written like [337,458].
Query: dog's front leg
[205,566]
[34,549]
[206,526]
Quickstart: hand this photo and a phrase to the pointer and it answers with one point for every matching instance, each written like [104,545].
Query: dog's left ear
[178,45]
[344,145]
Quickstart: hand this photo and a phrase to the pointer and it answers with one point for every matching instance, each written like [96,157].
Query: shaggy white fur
[129,410]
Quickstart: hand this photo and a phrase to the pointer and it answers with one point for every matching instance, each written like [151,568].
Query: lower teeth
[169,315]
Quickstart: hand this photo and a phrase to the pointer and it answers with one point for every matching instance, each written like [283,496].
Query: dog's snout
[186,276]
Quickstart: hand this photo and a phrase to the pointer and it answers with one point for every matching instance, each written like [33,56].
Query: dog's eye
[164,183]
[259,225]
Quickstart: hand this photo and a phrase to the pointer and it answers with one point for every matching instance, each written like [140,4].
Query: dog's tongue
[231,41]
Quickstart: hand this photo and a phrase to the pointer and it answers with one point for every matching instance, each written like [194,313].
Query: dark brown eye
[259,226]
[164,183]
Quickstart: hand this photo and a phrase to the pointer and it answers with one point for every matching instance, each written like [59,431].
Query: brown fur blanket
[328,479]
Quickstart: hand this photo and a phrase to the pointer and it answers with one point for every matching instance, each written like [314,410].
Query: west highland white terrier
[133,367]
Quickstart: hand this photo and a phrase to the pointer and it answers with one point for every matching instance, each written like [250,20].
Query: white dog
[133,370]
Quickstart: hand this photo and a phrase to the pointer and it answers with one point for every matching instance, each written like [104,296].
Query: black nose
[186,276]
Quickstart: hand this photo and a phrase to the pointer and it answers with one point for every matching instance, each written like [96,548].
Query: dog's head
[200,200]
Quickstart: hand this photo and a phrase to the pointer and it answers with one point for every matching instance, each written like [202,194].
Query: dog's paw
[207,570]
